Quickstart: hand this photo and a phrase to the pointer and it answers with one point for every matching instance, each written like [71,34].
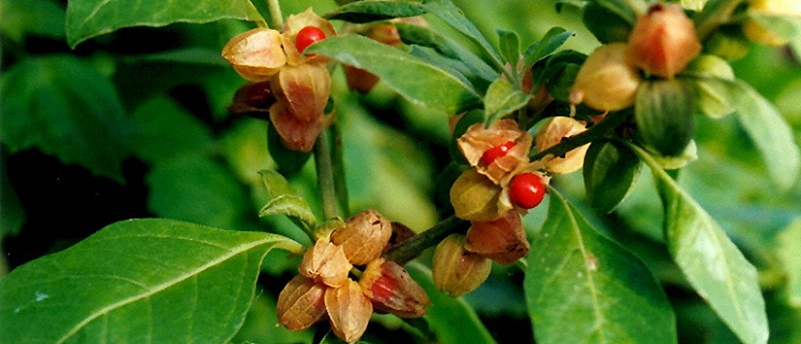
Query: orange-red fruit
[349,311]
[526,190]
[391,289]
[457,271]
[503,240]
[496,152]
[325,263]
[301,303]
[364,236]
[308,36]
[663,41]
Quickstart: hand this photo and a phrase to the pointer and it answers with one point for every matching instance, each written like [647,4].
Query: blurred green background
[135,124]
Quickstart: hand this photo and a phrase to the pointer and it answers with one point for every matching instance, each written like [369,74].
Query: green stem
[718,13]
[275,14]
[612,121]
[411,247]
[325,176]
[340,183]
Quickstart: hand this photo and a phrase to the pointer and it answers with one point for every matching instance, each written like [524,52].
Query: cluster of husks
[300,84]
[662,43]
[324,287]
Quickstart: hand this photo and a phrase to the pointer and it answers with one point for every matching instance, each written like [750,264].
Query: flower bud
[295,134]
[256,54]
[325,263]
[478,140]
[349,311]
[606,81]
[663,41]
[301,303]
[304,89]
[457,271]
[553,132]
[364,236]
[476,198]
[502,240]
[391,289]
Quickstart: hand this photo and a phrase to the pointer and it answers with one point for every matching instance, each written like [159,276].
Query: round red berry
[526,190]
[496,152]
[308,36]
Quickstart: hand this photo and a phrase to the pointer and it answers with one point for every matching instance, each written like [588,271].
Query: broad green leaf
[665,115]
[552,40]
[445,10]
[787,251]
[64,107]
[163,123]
[90,18]
[712,264]
[604,24]
[502,99]
[578,277]
[197,189]
[138,281]
[374,10]
[451,319]
[455,68]
[412,77]
[609,175]
[293,206]
[40,18]
[417,35]
[509,44]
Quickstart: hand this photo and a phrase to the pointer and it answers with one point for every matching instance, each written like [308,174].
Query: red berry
[308,36]
[496,152]
[526,190]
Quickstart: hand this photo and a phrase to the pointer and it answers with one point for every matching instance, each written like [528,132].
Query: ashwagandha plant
[520,121]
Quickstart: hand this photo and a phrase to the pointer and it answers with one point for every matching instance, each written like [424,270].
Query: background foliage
[148,134]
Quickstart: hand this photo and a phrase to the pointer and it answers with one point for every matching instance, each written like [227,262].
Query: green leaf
[552,40]
[151,280]
[787,252]
[693,5]
[12,215]
[197,189]
[712,264]
[665,113]
[609,175]
[445,10]
[292,206]
[501,99]
[90,18]
[578,277]
[412,77]
[39,18]
[604,24]
[509,44]
[159,121]
[451,319]
[423,36]
[623,9]
[375,10]
[64,107]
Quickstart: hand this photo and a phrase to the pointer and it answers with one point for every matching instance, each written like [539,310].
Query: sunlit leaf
[789,238]
[695,5]
[713,265]
[445,10]
[290,205]
[90,18]
[503,99]
[451,319]
[152,280]
[509,44]
[577,276]
[415,79]
[374,10]
[552,40]
[64,107]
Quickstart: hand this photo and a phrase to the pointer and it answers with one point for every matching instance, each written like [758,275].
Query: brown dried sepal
[552,133]
[304,89]
[301,303]
[457,271]
[295,134]
[325,263]
[349,311]
[663,41]
[475,197]
[257,54]
[253,97]
[391,289]
[364,236]
[502,240]
[478,139]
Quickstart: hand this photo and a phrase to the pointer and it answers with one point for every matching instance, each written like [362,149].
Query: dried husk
[349,311]
[457,271]
[257,54]
[391,289]
[552,133]
[301,303]
[364,236]
[325,263]
[502,240]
